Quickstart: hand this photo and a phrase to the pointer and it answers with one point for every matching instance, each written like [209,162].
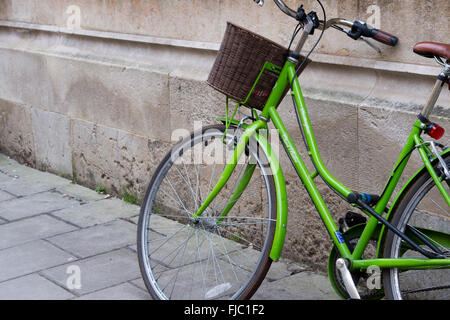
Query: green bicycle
[215,213]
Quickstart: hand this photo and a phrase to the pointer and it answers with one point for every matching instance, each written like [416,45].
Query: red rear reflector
[436,131]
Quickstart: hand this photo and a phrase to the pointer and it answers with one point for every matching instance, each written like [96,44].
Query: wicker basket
[239,62]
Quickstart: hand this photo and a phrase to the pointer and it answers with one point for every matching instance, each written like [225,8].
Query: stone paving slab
[32,287]
[301,286]
[78,192]
[30,229]
[98,212]
[98,272]
[98,239]
[123,291]
[48,226]
[35,204]
[30,183]
[29,258]
[13,169]
[5,196]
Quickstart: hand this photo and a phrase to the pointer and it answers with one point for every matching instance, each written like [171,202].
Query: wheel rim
[424,210]
[197,257]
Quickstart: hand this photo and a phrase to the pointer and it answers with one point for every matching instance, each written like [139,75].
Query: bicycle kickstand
[341,265]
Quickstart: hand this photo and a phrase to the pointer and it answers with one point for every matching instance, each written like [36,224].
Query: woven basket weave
[240,59]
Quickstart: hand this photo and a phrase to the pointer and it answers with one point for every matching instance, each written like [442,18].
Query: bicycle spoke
[228,256]
[425,217]
[442,209]
[189,185]
[178,271]
[187,211]
[178,197]
[209,256]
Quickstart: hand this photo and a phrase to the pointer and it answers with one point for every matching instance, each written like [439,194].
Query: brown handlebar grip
[384,37]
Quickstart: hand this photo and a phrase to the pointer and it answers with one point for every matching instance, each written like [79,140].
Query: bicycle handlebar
[357,28]
[384,37]
[362,29]
[283,7]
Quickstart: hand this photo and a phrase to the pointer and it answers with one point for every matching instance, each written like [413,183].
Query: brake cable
[314,47]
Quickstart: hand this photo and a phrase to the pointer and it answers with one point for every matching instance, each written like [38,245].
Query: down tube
[311,141]
[302,170]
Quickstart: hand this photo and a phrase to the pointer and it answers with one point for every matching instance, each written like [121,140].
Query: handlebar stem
[305,33]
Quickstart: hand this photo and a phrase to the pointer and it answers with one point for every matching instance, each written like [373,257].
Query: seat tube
[442,79]
[433,97]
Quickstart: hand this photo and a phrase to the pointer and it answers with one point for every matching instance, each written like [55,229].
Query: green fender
[280,188]
[399,198]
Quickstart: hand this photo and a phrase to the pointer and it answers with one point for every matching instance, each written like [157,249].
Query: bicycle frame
[286,77]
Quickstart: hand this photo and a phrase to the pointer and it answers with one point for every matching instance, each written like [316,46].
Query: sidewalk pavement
[56,235]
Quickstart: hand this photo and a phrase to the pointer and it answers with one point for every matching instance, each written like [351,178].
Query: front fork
[243,183]
[275,170]
[229,168]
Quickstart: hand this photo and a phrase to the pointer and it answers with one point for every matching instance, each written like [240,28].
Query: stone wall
[98,102]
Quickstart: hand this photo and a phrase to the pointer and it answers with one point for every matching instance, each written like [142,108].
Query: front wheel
[424,209]
[214,255]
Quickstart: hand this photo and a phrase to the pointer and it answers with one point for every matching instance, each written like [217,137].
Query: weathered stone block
[307,239]
[381,135]
[28,79]
[119,161]
[121,96]
[16,137]
[195,101]
[51,133]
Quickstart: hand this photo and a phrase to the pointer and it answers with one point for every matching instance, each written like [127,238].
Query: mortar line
[135,285]
[60,248]
[50,214]
[58,284]
[39,271]
[39,214]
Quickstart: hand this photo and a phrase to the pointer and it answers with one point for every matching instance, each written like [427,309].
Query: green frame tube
[287,76]
[231,164]
[243,183]
[401,263]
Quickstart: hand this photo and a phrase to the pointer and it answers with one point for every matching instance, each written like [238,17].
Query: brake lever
[371,44]
[259,2]
[348,33]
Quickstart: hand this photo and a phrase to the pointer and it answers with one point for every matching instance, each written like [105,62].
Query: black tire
[251,235]
[421,207]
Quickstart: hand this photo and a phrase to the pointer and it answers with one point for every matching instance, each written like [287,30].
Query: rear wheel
[207,257]
[424,209]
